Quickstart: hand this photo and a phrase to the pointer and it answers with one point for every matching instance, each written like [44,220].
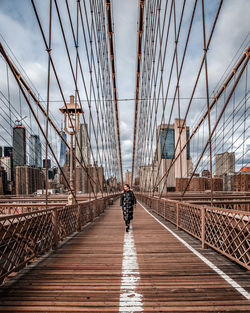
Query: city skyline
[96,95]
[125,21]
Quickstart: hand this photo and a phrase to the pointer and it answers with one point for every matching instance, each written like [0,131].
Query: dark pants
[127,214]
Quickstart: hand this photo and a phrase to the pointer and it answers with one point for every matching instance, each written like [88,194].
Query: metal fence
[25,237]
[227,231]
[19,208]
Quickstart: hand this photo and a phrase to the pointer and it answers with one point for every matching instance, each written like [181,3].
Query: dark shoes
[127,228]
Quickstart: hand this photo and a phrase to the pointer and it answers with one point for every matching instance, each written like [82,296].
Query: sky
[19,29]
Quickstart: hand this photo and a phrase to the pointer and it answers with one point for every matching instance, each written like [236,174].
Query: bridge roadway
[105,269]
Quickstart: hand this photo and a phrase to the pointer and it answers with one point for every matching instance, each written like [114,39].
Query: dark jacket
[127,201]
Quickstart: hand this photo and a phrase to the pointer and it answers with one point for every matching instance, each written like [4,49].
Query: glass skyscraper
[35,151]
[19,145]
[167,143]
[8,151]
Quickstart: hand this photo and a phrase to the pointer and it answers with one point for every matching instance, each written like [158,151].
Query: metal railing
[227,231]
[19,208]
[25,237]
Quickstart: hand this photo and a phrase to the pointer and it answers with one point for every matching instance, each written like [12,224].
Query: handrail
[27,236]
[224,230]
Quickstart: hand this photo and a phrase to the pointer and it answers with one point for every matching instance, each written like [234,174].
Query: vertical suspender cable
[48,96]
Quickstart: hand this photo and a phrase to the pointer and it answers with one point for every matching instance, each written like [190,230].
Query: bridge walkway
[105,269]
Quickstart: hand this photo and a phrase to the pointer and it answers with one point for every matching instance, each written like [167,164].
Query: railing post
[177,216]
[92,204]
[55,228]
[203,229]
[100,207]
[78,225]
[105,205]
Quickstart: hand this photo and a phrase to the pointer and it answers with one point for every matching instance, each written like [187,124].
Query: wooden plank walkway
[103,269]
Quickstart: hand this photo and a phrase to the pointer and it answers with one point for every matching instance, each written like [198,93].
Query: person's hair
[127,185]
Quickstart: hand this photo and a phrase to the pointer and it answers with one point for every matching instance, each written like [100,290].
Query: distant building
[81,180]
[67,157]
[48,163]
[168,149]
[28,179]
[3,182]
[19,145]
[5,163]
[112,184]
[84,184]
[97,173]
[242,179]
[224,163]
[217,183]
[67,163]
[205,173]
[35,151]
[199,184]
[63,149]
[8,152]
[82,146]
[242,182]
[228,182]
[128,177]
[137,181]
[147,177]
[245,169]
[57,179]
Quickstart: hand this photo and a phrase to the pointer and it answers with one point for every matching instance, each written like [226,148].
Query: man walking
[127,201]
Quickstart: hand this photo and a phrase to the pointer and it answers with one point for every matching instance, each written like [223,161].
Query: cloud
[19,27]
[224,48]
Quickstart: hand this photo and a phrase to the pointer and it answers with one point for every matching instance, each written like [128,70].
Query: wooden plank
[85,274]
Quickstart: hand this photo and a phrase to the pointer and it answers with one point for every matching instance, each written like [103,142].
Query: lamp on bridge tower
[71,126]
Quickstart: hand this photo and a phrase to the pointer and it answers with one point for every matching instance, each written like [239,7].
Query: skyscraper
[63,149]
[169,135]
[28,179]
[35,151]
[181,136]
[5,163]
[48,163]
[19,145]
[224,163]
[128,177]
[82,151]
[168,149]
[8,152]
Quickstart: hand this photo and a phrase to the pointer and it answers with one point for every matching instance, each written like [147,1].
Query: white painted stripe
[130,300]
[228,279]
